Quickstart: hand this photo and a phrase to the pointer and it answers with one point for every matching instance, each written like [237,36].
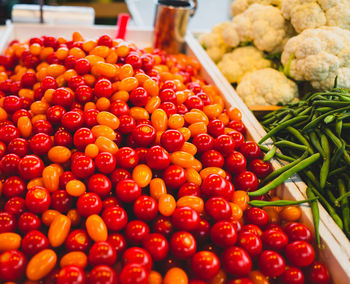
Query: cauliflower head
[309,14]
[319,56]
[213,42]
[236,64]
[239,6]
[267,87]
[264,25]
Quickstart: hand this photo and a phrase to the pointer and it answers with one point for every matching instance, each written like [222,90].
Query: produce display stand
[335,251]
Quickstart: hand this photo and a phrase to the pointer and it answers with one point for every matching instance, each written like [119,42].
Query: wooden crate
[336,247]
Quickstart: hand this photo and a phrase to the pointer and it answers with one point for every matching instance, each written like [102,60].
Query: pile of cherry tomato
[122,165]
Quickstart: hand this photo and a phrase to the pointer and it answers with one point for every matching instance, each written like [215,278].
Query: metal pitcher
[170,24]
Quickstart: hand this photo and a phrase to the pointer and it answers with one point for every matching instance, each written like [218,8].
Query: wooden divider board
[336,251]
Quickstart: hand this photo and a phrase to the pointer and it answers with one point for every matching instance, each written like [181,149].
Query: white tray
[336,251]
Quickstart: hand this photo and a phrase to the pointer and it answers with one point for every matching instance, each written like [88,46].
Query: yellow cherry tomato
[197,128]
[175,275]
[24,125]
[48,216]
[194,202]
[154,277]
[159,120]
[106,145]
[41,264]
[59,154]
[9,241]
[212,170]
[142,174]
[157,188]
[257,277]
[176,121]
[96,228]
[75,187]
[193,176]
[104,131]
[108,119]
[92,150]
[59,230]
[51,178]
[77,258]
[189,148]
[166,204]
[138,113]
[182,159]
[241,198]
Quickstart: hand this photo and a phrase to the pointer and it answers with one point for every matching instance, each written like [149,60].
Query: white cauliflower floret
[230,36]
[239,6]
[267,87]
[241,61]
[213,42]
[319,56]
[306,14]
[264,25]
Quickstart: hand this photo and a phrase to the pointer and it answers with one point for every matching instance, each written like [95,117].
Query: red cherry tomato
[292,275]
[246,181]
[214,185]
[38,199]
[298,232]
[218,208]
[136,231]
[83,166]
[30,167]
[274,239]
[223,234]
[13,186]
[99,184]
[318,274]
[236,261]
[157,158]
[28,222]
[33,242]
[271,263]
[128,190]
[185,218]
[133,274]
[216,128]
[126,158]
[61,201]
[163,225]
[102,253]
[203,142]
[137,255]
[172,140]
[7,222]
[102,274]
[15,206]
[71,274]
[105,162]
[12,265]
[300,253]
[115,218]
[78,240]
[145,208]
[260,168]
[157,246]
[205,265]
[174,177]
[118,242]
[212,158]
[256,216]
[183,245]
[250,242]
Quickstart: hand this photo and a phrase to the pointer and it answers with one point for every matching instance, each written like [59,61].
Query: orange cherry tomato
[166,204]
[9,241]
[24,125]
[153,104]
[3,115]
[48,216]
[108,119]
[193,176]
[186,132]
[175,275]
[59,154]
[75,187]
[290,213]
[41,264]
[104,131]
[197,128]
[77,258]
[142,174]
[182,159]
[96,228]
[128,84]
[51,178]
[74,217]
[257,277]
[159,120]
[189,148]
[59,230]
[194,202]
[157,188]
[151,87]
[154,277]
[237,211]
[92,150]
[138,113]
[195,117]
[106,145]
[241,198]
[234,114]
[105,69]
[219,278]
[35,182]
[176,121]
[212,170]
